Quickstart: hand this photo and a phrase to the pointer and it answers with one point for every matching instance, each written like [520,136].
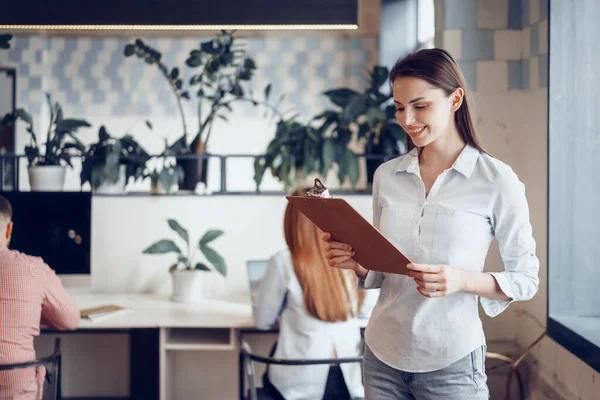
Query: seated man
[30,292]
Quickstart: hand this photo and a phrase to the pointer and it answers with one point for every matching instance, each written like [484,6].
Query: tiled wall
[501,45]
[90,76]
[535,44]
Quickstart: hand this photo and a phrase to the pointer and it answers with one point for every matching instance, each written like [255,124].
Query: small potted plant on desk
[47,167]
[188,278]
[109,163]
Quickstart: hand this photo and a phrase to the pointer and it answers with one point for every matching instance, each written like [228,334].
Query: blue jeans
[463,380]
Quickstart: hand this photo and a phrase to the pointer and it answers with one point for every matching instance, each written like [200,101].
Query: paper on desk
[103,312]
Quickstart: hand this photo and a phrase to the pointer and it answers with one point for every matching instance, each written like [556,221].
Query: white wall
[123,227]
[513,126]
[567,374]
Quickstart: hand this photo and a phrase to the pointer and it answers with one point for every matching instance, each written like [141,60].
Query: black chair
[51,363]
[247,369]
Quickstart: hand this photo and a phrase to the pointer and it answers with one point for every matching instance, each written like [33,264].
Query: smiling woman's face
[425,112]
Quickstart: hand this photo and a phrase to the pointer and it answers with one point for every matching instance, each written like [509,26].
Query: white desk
[151,311]
[160,328]
[156,324]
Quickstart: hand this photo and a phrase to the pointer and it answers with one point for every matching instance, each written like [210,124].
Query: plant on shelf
[299,150]
[167,176]
[47,160]
[221,76]
[109,163]
[187,276]
[369,115]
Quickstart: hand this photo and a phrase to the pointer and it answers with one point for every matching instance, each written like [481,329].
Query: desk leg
[144,368]
[242,376]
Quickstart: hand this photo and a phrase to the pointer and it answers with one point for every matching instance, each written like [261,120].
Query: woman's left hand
[437,280]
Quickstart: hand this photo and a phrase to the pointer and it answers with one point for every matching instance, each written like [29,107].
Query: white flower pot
[46,178]
[188,285]
[114,188]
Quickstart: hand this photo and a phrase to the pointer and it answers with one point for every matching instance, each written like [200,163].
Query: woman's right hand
[339,254]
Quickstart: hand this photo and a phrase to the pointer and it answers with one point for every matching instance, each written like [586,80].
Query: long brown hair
[438,68]
[329,293]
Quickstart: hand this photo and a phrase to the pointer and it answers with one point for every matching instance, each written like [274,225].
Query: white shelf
[199,339]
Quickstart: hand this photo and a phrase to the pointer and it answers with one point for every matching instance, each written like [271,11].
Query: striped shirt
[30,294]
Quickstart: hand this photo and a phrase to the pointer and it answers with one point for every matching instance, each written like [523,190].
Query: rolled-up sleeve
[510,221]
[373,280]
[59,310]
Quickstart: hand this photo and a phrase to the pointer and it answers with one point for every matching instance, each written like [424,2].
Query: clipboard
[372,250]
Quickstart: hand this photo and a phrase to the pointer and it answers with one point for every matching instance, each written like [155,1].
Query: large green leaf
[375,115]
[194,62]
[379,75]
[168,178]
[178,146]
[71,125]
[342,164]
[352,167]
[103,135]
[344,136]
[201,267]
[328,156]
[129,50]
[341,97]
[259,171]
[249,63]
[24,115]
[237,90]
[162,247]
[178,228]
[354,108]
[215,259]
[209,236]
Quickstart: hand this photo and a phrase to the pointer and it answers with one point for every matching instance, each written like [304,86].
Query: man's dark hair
[5,208]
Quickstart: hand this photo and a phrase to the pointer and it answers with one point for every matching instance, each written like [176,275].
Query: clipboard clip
[318,190]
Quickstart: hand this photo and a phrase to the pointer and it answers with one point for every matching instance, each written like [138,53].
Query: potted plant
[220,77]
[369,115]
[109,163]
[299,150]
[167,176]
[188,277]
[47,161]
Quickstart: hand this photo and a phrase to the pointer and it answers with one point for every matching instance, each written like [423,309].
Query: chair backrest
[51,363]
[247,357]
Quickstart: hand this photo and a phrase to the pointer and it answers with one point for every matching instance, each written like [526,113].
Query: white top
[301,336]
[477,199]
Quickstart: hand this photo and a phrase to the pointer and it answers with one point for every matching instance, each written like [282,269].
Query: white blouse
[301,336]
[478,199]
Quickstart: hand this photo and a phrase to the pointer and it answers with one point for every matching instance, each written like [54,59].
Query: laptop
[256,271]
